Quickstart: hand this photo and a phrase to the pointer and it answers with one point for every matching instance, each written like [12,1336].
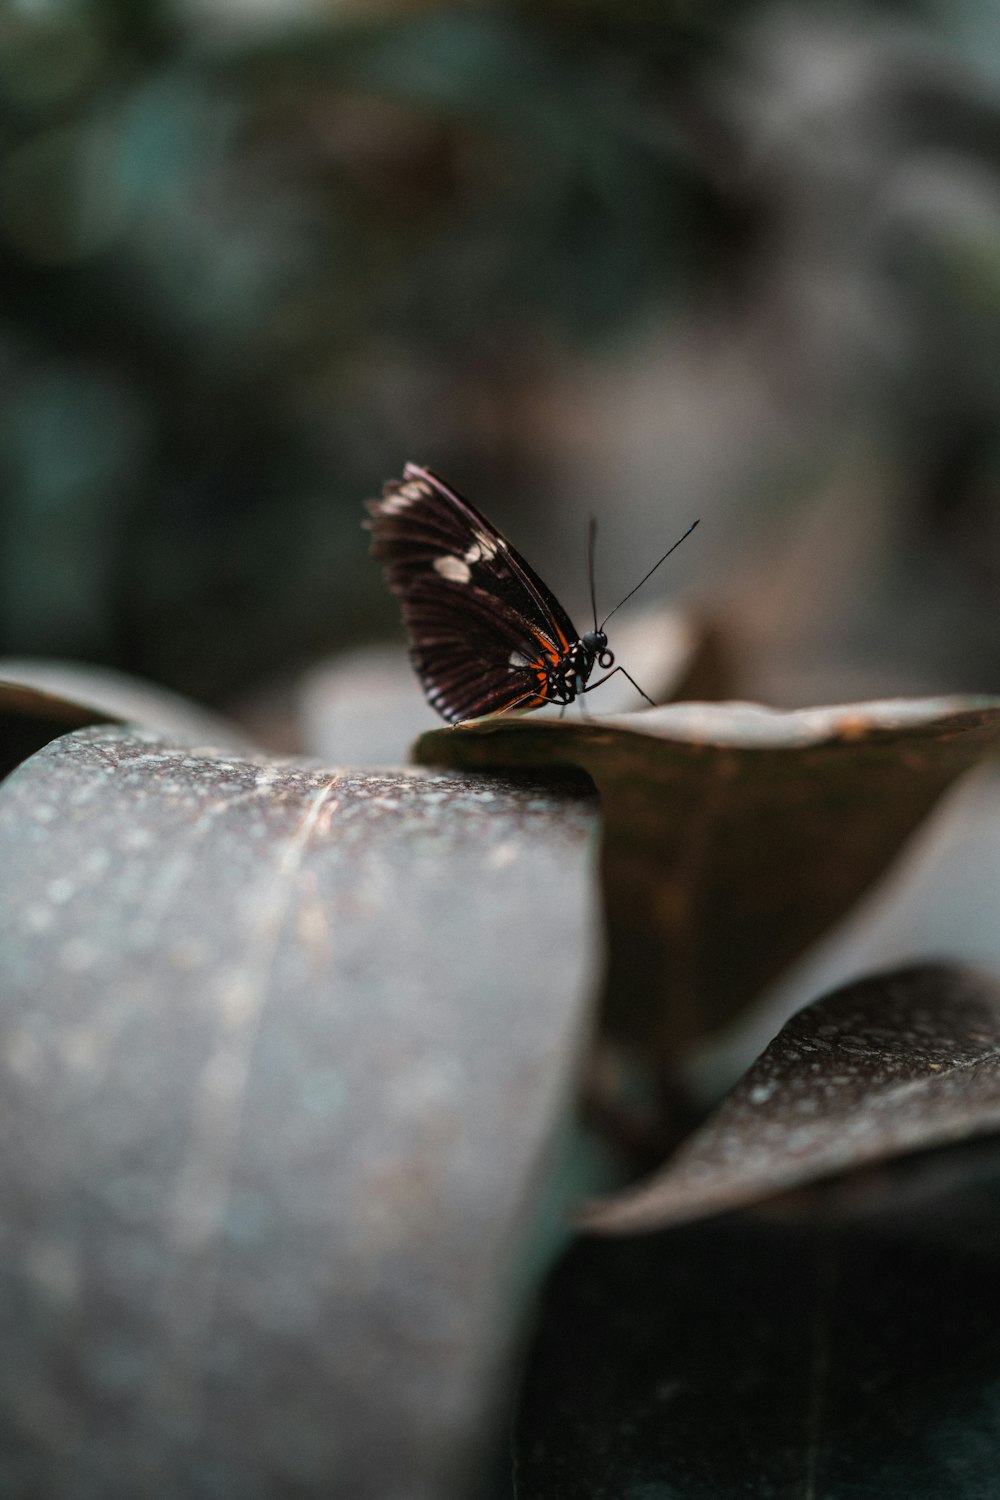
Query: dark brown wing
[484,629]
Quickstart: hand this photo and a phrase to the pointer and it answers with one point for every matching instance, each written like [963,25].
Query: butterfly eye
[605,659]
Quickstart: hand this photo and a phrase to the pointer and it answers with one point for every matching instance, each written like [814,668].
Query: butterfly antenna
[591,539]
[650,573]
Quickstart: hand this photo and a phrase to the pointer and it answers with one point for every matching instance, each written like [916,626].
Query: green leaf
[285,1054]
[754,1359]
[734,835]
[30,717]
[40,700]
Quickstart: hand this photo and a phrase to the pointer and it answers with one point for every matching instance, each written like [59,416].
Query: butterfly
[486,634]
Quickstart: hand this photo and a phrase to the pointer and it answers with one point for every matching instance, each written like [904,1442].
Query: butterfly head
[595,642]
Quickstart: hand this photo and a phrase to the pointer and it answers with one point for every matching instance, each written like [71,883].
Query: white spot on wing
[404,497]
[487,545]
[455,569]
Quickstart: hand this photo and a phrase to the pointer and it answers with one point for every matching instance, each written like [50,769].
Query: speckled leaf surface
[31,716]
[896,1063]
[42,699]
[283,1052]
[734,835]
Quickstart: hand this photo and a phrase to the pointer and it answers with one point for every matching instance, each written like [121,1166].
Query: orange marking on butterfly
[549,651]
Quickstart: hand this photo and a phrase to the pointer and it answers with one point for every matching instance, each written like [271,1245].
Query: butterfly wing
[484,629]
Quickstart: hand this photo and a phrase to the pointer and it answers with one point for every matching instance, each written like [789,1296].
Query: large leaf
[42,699]
[897,1063]
[32,716]
[284,1053]
[795,1359]
[939,900]
[735,835]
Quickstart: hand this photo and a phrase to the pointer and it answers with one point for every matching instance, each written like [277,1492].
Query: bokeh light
[738,260]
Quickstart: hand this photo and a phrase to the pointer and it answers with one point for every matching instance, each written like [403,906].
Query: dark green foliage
[238,271]
[246,270]
[772,1358]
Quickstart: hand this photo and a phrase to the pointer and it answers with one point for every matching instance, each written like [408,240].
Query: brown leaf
[896,1063]
[734,835]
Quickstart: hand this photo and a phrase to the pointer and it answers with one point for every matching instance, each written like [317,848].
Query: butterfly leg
[637,688]
[555,694]
[509,707]
[592,685]
[506,709]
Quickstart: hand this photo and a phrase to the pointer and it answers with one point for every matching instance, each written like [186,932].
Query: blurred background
[652,260]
